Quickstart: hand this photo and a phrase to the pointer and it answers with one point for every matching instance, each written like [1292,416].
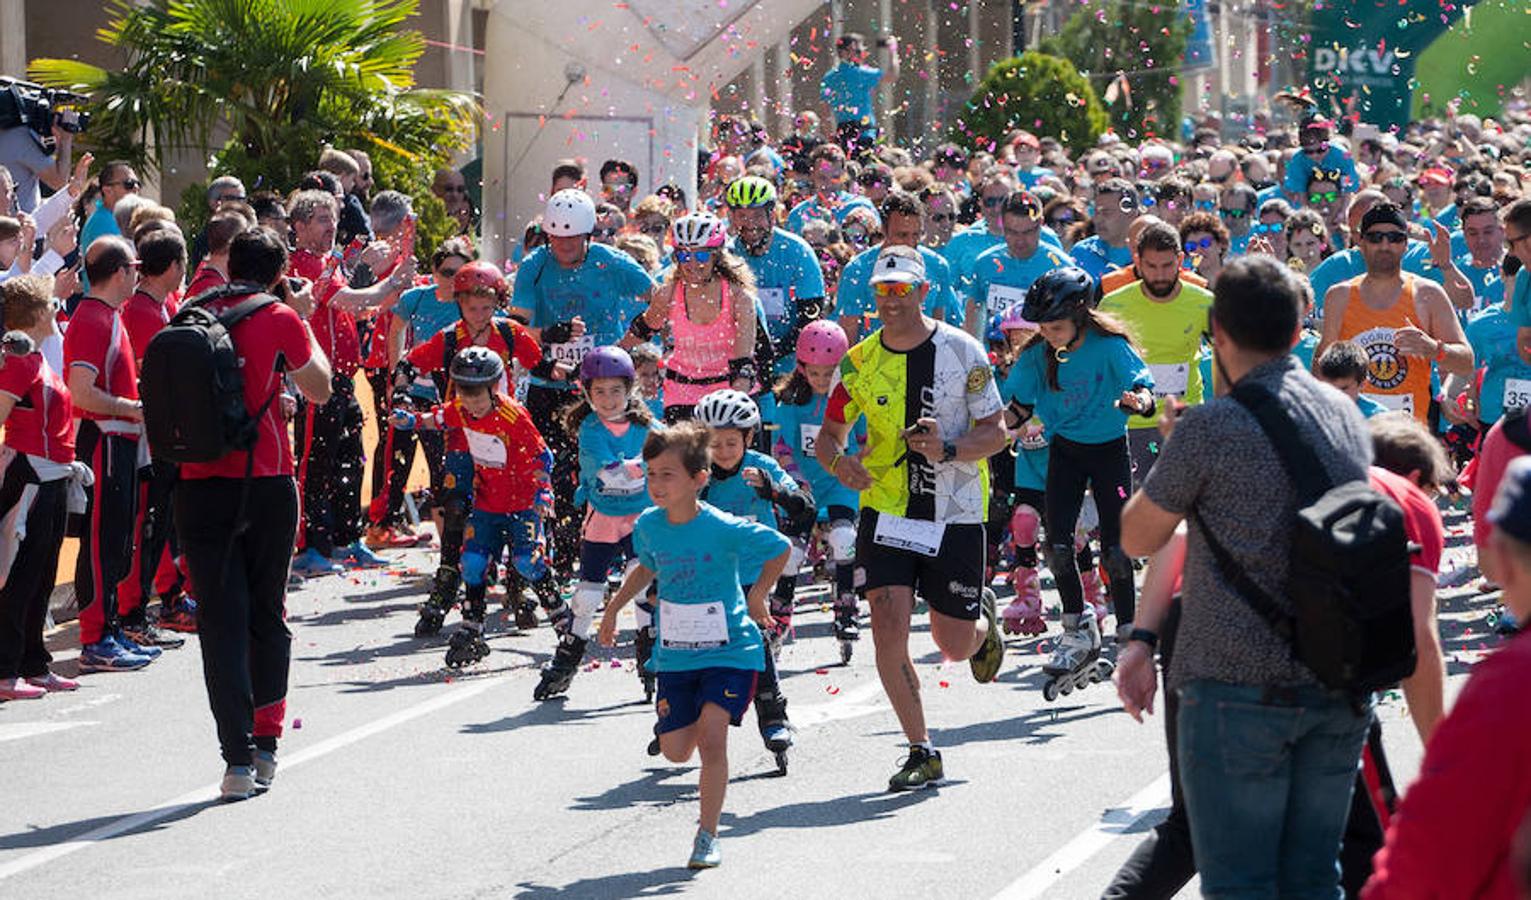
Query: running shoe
[990,657]
[311,564]
[19,689]
[357,556]
[144,633]
[133,646]
[54,684]
[921,769]
[178,614]
[238,784]
[704,851]
[106,655]
[265,769]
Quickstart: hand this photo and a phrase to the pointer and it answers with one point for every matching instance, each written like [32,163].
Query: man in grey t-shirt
[29,163]
[1267,755]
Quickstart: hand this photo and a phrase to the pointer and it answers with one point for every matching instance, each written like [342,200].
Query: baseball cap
[1511,511]
[1028,139]
[899,264]
[1436,175]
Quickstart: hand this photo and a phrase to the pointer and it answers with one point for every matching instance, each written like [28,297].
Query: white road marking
[1087,843]
[31,729]
[210,792]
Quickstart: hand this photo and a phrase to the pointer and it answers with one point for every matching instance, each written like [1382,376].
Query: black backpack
[1348,576]
[191,384]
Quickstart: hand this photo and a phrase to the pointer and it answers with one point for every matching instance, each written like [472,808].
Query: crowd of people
[917,375]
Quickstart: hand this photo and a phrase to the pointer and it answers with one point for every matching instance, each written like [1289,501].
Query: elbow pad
[638,328]
[742,367]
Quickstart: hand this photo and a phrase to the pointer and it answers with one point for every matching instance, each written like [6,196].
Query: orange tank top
[1396,381]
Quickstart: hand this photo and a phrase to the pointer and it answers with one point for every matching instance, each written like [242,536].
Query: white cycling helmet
[570,213]
[728,409]
[699,230]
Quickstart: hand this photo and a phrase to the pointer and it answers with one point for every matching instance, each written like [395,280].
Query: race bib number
[573,352]
[809,438]
[1517,394]
[1002,298]
[917,535]
[620,481]
[774,302]
[486,449]
[1405,402]
[692,626]
[1170,379]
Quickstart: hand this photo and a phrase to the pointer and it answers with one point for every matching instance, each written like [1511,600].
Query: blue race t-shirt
[1300,167]
[1097,257]
[608,289]
[424,316]
[847,88]
[1507,378]
[797,427]
[698,565]
[1487,281]
[1000,280]
[787,272]
[855,294]
[1091,381]
[611,468]
[963,250]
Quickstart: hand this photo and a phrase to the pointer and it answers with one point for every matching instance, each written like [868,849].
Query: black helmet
[477,365]
[1059,294]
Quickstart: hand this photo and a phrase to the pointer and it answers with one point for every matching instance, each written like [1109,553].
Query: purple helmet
[1013,318]
[606,362]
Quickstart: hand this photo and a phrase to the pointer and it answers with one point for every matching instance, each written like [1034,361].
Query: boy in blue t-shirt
[848,89]
[1343,366]
[709,646]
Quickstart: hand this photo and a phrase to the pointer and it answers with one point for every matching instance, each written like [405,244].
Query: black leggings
[547,407]
[24,598]
[1106,470]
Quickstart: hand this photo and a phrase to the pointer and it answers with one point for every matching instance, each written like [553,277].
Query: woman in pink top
[708,302]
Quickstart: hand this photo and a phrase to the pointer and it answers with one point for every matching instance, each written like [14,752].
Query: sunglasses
[1267,227]
[658,228]
[1058,221]
[700,256]
[1322,147]
[131,184]
[1193,246]
[232,198]
[1206,205]
[993,202]
[1324,197]
[1391,237]
[870,182]
[1233,213]
[604,232]
[942,217]
[892,288]
[447,273]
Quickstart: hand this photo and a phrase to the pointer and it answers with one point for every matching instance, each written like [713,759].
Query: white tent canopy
[594,80]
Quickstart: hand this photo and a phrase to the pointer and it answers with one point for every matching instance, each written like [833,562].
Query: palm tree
[261,84]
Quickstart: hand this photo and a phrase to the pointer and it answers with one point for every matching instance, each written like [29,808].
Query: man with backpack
[236,513]
[1268,738]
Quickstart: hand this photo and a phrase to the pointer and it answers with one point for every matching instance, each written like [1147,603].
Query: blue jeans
[1267,775]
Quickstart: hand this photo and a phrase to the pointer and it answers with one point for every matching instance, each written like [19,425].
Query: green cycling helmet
[750,191]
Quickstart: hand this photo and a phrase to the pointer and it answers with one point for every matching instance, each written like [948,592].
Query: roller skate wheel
[1105,668]
[1050,691]
[846,649]
[1066,686]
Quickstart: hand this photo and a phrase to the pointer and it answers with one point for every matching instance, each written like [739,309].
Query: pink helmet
[1012,318]
[821,343]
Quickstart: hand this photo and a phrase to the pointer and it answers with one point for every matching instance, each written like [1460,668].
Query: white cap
[899,264]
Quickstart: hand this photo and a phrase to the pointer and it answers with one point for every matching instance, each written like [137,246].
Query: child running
[709,648]
[612,422]
[801,399]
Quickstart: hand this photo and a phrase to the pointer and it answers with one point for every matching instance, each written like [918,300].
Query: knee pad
[842,541]
[587,598]
[1060,558]
[1024,524]
[1118,565]
[474,565]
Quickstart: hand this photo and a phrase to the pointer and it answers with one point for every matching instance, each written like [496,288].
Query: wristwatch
[1144,635]
[948,452]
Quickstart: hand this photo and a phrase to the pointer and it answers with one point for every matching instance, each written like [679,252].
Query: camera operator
[31,161]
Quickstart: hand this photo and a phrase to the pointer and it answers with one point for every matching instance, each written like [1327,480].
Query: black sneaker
[921,769]
[146,634]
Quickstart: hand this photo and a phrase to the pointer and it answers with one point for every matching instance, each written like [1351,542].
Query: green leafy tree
[1143,41]
[261,86]
[1034,91]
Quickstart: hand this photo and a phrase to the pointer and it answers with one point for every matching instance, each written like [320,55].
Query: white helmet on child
[728,409]
[570,213]
[699,230]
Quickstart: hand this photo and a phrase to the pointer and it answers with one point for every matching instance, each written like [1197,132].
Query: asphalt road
[400,779]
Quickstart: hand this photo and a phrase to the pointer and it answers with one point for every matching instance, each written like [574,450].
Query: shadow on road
[658,883]
[831,813]
[1037,726]
[67,831]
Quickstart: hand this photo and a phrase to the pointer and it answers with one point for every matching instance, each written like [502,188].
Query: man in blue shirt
[848,87]
[1001,275]
[788,280]
[964,248]
[1116,205]
[1236,207]
[574,295]
[904,226]
[1481,263]
[830,200]
[117,180]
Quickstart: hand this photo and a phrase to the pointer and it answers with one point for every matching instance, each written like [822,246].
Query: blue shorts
[488,534]
[680,695]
